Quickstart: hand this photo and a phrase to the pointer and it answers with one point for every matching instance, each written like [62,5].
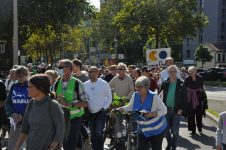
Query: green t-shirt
[170,101]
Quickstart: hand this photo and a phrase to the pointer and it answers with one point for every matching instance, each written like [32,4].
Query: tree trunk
[157,37]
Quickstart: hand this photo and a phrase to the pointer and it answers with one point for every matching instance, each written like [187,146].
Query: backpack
[66,116]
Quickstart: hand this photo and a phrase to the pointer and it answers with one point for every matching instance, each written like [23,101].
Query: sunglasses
[60,67]
[121,69]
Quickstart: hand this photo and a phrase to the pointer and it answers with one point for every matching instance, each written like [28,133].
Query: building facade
[214,33]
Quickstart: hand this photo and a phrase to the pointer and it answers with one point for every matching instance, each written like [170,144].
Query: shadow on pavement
[185,143]
[212,128]
[206,140]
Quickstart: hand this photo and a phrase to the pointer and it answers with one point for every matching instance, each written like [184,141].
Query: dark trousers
[73,136]
[155,141]
[224,146]
[82,135]
[194,118]
[96,126]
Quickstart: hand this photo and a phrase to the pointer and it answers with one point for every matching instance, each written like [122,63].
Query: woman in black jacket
[196,100]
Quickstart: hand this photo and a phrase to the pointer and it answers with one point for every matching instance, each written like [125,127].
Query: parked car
[201,70]
[214,74]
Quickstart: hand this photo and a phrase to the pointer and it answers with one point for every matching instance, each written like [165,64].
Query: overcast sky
[95,3]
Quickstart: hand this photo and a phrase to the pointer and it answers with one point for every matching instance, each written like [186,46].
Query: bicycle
[125,138]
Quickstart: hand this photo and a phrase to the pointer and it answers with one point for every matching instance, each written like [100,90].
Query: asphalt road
[216,93]
[186,141]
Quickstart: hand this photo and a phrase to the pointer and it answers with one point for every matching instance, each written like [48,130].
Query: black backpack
[66,116]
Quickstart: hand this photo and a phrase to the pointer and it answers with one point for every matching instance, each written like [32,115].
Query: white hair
[143,81]
[192,69]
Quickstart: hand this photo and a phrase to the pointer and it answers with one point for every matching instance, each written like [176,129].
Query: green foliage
[215,83]
[161,19]
[39,15]
[104,29]
[203,55]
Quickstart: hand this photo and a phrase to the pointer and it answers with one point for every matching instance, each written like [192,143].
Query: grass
[213,113]
[215,83]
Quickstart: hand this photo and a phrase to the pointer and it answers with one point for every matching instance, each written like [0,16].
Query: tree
[37,15]
[160,19]
[203,55]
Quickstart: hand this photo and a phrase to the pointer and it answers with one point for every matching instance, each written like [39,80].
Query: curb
[212,117]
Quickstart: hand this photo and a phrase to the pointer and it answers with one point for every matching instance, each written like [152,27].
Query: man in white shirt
[12,79]
[100,98]
[164,73]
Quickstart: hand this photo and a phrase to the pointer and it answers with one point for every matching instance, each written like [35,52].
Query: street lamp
[116,49]
[15,33]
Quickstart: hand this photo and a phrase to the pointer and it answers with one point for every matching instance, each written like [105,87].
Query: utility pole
[15,33]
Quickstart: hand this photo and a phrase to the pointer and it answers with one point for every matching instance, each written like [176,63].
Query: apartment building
[214,33]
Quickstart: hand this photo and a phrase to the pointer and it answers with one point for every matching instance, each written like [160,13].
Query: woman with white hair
[196,99]
[150,126]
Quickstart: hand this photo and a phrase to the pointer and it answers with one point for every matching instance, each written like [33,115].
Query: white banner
[157,56]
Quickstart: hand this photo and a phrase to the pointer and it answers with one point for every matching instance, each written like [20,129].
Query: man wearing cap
[71,93]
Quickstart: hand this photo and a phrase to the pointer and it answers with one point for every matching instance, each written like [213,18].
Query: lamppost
[116,49]
[15,33]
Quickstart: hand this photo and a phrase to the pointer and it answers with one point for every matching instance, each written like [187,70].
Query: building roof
[215,47]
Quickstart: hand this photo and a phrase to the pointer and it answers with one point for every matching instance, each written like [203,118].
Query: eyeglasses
[171,71]
[19,76]
[121,69]
[60,67]
[138,87]
[91,71]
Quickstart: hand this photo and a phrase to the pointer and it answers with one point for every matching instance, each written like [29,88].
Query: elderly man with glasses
[71,93]
[174,96]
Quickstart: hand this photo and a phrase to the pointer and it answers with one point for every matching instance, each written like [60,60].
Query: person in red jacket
[153,83]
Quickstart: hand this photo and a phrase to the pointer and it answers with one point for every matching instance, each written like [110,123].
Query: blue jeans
[96,126]
[172,131]
[73,137]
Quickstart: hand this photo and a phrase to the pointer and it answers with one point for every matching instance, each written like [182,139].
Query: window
[223,57]
[187,41]
[200,39]
[222,26]
[188,53]
[2,47]
[222,38]
[219,58]
[201,4]
[224,2]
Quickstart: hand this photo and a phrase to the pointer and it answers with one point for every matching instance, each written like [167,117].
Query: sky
[95,3]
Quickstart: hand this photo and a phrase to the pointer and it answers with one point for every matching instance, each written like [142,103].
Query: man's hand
[179,112]
[17,118]
[150,114]
[219,147]
[120,109]
[53,145]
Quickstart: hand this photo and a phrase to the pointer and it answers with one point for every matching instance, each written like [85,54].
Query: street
[216,93]
[186,141]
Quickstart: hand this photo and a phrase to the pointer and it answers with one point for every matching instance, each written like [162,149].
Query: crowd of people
[31,104]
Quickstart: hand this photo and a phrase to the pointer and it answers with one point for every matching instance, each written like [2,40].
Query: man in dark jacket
[174,98]
[3,119]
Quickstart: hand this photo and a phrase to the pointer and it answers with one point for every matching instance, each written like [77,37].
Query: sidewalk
[217,106]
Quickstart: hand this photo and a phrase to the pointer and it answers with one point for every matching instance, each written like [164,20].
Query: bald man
[100,98]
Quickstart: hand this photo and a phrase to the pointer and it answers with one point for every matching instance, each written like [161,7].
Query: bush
[215,83]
